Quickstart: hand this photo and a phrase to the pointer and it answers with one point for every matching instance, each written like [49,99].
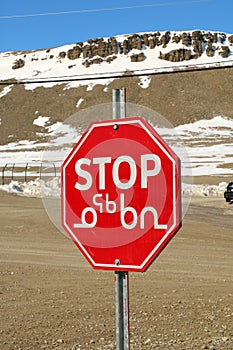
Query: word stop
[102,161]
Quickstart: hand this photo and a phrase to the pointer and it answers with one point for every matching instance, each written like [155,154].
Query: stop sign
[121,201]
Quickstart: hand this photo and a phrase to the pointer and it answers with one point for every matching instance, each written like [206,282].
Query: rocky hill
[171,47]
[184,76]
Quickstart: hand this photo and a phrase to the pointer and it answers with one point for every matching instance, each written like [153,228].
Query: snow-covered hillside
[208,145]
[142,53]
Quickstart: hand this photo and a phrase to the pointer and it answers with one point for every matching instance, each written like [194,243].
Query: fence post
[12,171]
[55,171]
[26,168]
[3,174]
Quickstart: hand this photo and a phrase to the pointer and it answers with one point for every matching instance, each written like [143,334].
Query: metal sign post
[118,103]
[121,277]
[122,310]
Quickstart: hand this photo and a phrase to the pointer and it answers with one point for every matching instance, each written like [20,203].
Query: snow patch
[144,82]
[6,90]
[41,121]
[52,188]
[35,188]
[79,102]
[54,127]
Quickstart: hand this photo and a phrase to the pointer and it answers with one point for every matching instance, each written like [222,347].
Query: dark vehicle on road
[228,194]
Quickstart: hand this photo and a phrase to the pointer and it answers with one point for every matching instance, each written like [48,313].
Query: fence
[28,171]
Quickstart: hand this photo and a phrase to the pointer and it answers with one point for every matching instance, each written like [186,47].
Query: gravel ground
[52,299]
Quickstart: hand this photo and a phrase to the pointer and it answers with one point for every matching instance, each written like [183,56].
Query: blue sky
[103,18]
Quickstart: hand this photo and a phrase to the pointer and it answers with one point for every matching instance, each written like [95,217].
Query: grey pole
[122,310]
[121,277]
[118,103]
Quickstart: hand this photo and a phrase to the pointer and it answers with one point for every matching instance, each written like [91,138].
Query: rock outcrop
[177,55]
[18,64]
[194,44]
[190,46]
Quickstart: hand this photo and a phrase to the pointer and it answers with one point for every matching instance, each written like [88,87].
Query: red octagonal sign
[121,194]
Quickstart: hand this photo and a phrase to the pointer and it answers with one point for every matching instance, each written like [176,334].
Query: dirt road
[52,299]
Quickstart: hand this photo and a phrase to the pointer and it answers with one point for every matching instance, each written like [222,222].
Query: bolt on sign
[121,196]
